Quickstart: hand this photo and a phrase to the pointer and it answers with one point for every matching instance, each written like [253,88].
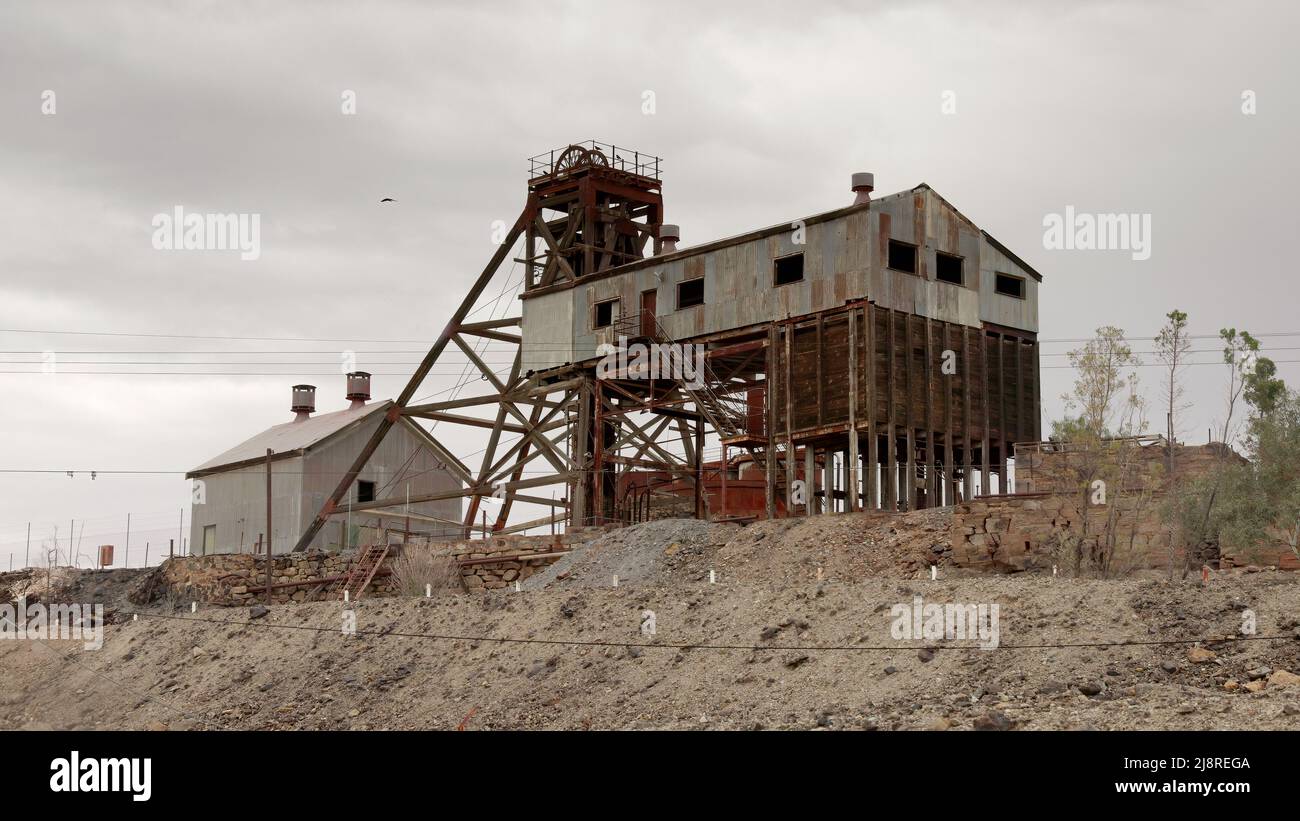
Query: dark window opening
[902,256]
[1008,285]
[690,292]
[788,269]
[948,268]
[365,491]
[604,314]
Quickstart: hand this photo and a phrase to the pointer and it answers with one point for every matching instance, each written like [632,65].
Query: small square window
[787,270]
[902,256]
[948,267]
[1008,285]
[690,292]
[604,314]
[365,491]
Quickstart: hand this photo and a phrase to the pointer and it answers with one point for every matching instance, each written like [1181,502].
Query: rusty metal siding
[1006,310]
[845,259]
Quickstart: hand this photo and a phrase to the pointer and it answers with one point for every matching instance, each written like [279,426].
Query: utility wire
[776,648]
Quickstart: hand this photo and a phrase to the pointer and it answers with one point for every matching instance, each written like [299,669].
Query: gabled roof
[289,439]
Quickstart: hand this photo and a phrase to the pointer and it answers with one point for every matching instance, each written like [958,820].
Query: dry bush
[415,567]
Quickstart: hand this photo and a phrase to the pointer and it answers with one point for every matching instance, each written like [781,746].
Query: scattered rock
[1283,678]
[1169,666]
[1256,686]
[925,654]
[993,720]
[257,611]
[1090,688]
[1200,655]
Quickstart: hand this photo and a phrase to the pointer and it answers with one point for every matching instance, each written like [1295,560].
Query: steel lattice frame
[566,419]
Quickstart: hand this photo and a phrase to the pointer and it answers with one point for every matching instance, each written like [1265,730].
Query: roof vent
[864,182]
[358,388]
[304,402]
[669,235]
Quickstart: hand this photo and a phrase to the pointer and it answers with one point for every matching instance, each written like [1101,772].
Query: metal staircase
[363,570]
[727,413]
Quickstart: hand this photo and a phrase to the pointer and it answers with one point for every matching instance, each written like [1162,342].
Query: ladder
[363,570]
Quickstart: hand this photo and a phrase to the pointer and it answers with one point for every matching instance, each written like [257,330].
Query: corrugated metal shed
[290,437]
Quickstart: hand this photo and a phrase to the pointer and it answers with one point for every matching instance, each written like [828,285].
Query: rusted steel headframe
[594,206]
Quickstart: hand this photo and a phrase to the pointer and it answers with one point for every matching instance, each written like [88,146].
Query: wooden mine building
[887,348]
[878,356]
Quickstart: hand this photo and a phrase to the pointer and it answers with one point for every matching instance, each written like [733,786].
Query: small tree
[1103,469]
[1259,498]
[1241,355]
[1173,345]
[1172,348]
[1243,502]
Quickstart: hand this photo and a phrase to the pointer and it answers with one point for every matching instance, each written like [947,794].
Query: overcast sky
[761,112]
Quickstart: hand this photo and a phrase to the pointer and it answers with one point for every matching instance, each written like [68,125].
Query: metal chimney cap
[864,179]
[304,399]
[358,387]
[670,231]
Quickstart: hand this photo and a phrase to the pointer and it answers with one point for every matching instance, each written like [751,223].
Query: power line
[413,352]
[61,372]
[808,648]
[1044,340]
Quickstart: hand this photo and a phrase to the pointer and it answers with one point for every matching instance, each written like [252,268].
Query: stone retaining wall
[1025,532]
[235,579]
[495,575]
[1035,527]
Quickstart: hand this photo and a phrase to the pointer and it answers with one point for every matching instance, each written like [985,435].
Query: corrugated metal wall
[845,259]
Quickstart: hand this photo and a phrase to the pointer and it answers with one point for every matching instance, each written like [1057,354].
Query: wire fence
[137,540]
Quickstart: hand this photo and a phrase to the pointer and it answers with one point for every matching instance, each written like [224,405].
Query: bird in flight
[388,199]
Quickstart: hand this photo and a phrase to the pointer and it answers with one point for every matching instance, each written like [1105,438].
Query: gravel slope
[166,672]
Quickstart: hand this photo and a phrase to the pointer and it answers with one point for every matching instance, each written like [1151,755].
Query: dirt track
[159,672]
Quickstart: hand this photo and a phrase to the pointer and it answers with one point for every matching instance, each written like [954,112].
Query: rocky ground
[798,619]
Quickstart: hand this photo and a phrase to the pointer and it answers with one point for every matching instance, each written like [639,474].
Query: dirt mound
[847,547]
[803,655]
[71,585]
[771,644]
[654,553]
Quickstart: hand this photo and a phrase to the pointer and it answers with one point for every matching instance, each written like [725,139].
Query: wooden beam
[873,455]
[851,463]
